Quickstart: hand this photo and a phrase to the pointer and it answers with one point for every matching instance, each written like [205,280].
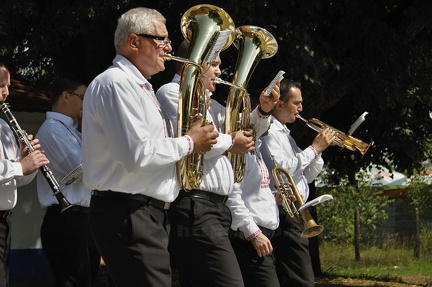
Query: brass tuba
[201,26]
[342,140]
[254,43]
[288,189]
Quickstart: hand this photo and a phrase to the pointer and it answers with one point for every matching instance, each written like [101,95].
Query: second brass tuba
[288,189]
[254,43]
[201,26]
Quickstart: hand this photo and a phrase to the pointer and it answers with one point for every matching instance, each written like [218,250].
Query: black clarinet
[22,135]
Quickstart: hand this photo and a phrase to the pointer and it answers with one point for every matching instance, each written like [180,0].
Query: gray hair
[137,20]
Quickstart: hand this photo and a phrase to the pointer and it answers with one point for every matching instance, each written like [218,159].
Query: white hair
[137,20]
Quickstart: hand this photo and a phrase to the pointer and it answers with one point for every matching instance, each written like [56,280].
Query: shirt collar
[279,126]
[176,79]
[126,66]
[63,118]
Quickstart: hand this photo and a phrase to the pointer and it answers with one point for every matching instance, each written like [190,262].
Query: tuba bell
[208,29]
[288,189]
[254,43]
[342,140]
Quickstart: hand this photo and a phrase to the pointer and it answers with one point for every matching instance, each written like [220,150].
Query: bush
[337,215]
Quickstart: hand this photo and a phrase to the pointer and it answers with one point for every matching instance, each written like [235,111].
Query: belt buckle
[225,198]
[6,214]
[166,205]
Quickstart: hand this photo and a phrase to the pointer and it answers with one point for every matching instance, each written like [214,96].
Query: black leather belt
[139,197]
[80,209]
[196,193]
[74,208]
[5,214]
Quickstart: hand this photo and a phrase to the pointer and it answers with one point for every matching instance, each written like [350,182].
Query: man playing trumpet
[293,262]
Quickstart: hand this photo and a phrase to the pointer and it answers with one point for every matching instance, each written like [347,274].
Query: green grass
[374,262]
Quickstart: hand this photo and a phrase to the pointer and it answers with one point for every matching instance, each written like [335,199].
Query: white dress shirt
[62,144]
[217,171]
[258,122]
[254,204]
[126,141]
[11,174]
[302,165]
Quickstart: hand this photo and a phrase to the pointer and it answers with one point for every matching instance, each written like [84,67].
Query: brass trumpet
[342,140]
[287,189]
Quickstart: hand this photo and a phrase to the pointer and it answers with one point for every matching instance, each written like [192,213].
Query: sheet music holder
[218,42]
[357,123]
[316,201]
[74,175]
[277,78]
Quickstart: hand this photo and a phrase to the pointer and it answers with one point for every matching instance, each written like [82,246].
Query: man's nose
[5,92]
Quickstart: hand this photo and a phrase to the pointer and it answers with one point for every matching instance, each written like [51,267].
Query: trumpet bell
[313,230]
[354,144]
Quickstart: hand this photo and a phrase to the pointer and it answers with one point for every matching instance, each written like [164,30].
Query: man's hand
[289,200]
[32,161]
[325,138]
[262,245]
[243,142]
[24,149]
[203,137]
[267,103]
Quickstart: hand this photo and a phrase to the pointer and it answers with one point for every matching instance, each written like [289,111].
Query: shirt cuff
[317,154]
[254,235]
[190,144]
[264,114]
[232,141]
[250,230]
[17,169]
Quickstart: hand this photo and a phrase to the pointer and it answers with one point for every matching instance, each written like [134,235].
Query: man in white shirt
[66,237]
[293,262]
[17,168]
[255,218]
[130,154]
[200,218]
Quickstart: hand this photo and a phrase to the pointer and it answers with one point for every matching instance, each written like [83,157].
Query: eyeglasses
[165,40]
[81,96]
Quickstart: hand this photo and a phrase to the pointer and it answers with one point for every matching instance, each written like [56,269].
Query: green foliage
[337,215]
[426,239]
[420,196]
[384,264]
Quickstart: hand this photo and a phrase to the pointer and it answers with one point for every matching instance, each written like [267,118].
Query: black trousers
[292,259]
[200,244]
[5,242]
[257,271]
[133,241]
[69,247]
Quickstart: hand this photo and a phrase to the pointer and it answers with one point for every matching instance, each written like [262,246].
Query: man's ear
[133,40]
[64,95]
